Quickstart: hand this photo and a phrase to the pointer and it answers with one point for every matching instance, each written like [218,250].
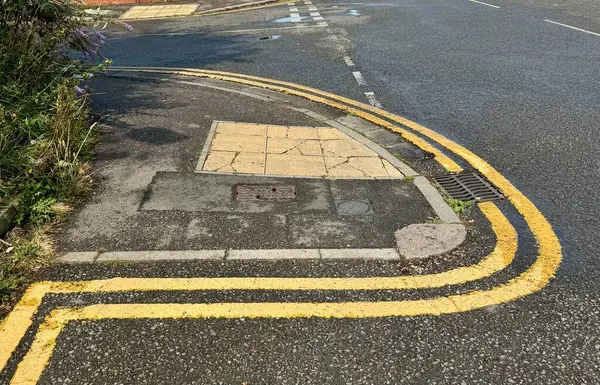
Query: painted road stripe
[348,61]
[532,280]
[322,24]
[549,248]
[318,18]
[294,15]
[373,100]
[327,98]
[294,9]
[481,2]
[37,358]
[312,8]
[359,78]
[308,2]
[575,28]
[315,14]
[20,318]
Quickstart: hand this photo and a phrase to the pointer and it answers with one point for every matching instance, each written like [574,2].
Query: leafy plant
[47,49]
[459,206]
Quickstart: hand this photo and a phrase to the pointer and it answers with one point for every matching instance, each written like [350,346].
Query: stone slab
[375,254]
[160,255]
[274,254]
[425,240]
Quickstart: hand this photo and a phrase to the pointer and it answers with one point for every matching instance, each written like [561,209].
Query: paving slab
[152,196]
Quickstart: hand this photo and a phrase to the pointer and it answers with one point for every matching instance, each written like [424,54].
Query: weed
[459,206]
[47,49]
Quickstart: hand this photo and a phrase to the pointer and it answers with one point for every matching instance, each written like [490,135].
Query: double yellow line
[536,277]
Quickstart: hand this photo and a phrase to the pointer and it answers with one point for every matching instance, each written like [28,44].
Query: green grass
[46,135]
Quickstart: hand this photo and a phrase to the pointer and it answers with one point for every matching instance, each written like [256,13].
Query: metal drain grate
[269,192]
[468,186]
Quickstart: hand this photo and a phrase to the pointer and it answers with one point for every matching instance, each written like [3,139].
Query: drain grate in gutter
[268,192]
[468,186]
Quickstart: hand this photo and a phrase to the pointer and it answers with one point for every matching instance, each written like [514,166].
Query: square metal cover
[265,192]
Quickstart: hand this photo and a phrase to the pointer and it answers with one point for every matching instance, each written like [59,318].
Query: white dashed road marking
[575,28]
[349,61]
[481,2]
[359,78]
[373,100]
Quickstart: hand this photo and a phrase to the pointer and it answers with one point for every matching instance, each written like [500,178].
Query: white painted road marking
[359,78]
[294,15]
[373,100]
[294,9]
[315,14]
[575,28]
[312,8]
[349,61]
[481,2]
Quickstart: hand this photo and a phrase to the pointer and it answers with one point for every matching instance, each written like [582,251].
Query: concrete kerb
[86,257]
[206,147]
[532,280]
[432,195]
[239,7]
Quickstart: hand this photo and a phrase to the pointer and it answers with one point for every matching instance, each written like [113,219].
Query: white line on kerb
[359,78]
[575,28]
[373,100]
[481,2]
[349,61]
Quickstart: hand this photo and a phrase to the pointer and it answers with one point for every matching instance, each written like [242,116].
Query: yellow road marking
[549,247]
[19,320]
[440,157]
[535,278]
[248,8]
[31,367]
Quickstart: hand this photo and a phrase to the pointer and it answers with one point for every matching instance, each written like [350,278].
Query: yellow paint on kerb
[535,278]
[439,156]
[19,320]
[549,247]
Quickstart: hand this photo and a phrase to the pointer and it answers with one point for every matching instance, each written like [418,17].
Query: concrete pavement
[502,105]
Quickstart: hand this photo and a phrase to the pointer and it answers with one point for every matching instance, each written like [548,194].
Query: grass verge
[47,48]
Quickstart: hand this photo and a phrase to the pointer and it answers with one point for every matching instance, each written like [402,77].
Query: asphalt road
[520,91]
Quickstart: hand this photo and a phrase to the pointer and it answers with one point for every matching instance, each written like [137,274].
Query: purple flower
[100,37]
[79,91]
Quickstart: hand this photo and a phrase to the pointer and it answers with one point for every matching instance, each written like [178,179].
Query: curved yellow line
[550,251]
[532,280]
[19,320]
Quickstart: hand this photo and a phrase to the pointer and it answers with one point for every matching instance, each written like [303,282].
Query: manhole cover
[265,192]
[354,207]
[468,186]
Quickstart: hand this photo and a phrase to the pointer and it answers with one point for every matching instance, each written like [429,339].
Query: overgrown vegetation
[46,137]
